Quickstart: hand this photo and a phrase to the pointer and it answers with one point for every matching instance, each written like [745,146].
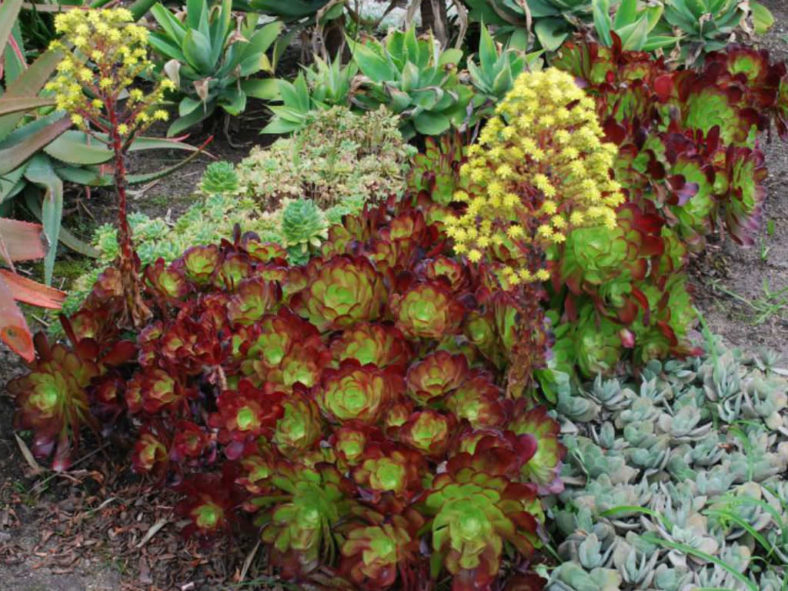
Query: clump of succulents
[340,160]
[207,221]
[687,140]
[673,478]
[354,408]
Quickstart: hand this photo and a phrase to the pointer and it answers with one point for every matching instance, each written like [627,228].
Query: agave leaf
[40,172]
[72,147]
[29,83]
[10,104]
[67,237]
[8,14]
[762,18]
[13,154]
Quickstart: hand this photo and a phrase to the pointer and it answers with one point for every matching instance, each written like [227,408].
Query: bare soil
[87,530]
[743,292]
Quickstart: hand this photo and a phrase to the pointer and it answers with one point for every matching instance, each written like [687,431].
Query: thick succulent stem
[136,312]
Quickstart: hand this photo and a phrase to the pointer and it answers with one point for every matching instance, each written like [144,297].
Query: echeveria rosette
[167,281]
[301,517]
[233,270]
[52,400]
[210,502]
[255,297]
[350,441]
[150,454]
[159,389]
[480,402]
[357,392]
[372,343]
[244,414]
[200,263]
[544,467]
[448,270]
[377,556]
[303,226]
[429,432]
[427,311]
[340,292]
[595,341]
[286,350]
[189,441]
[743,202]
[435,376]
[496,452]
[300,427]
[474,517]
[390,471]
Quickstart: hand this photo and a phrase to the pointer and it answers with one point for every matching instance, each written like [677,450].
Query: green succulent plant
[303,227]
[212,62]
[219,178]
[675,480]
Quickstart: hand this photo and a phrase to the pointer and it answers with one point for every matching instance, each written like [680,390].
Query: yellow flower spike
[123,129]
[543,275]
[543,152]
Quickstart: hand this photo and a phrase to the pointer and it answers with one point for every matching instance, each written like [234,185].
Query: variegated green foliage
[675,478]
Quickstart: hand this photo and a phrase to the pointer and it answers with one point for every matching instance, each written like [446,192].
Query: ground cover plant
[674,477]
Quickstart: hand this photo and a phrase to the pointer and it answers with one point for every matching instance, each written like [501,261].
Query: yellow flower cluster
[539,170]
[104,52]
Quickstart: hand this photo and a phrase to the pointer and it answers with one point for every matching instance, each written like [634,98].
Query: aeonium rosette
[342,403]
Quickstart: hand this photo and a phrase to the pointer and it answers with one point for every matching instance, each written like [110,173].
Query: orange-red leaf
[20,241]
[31,292]
[13,326]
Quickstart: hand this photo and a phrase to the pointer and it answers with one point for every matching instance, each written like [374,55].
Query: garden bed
[99,527]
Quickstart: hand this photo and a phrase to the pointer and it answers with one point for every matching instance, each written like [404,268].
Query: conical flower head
[341,292]
[303,225]
[427,311]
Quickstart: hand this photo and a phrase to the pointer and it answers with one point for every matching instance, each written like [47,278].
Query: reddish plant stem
[136,312]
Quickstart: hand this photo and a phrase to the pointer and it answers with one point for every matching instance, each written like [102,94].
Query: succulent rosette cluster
[354,408]
[686,136]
